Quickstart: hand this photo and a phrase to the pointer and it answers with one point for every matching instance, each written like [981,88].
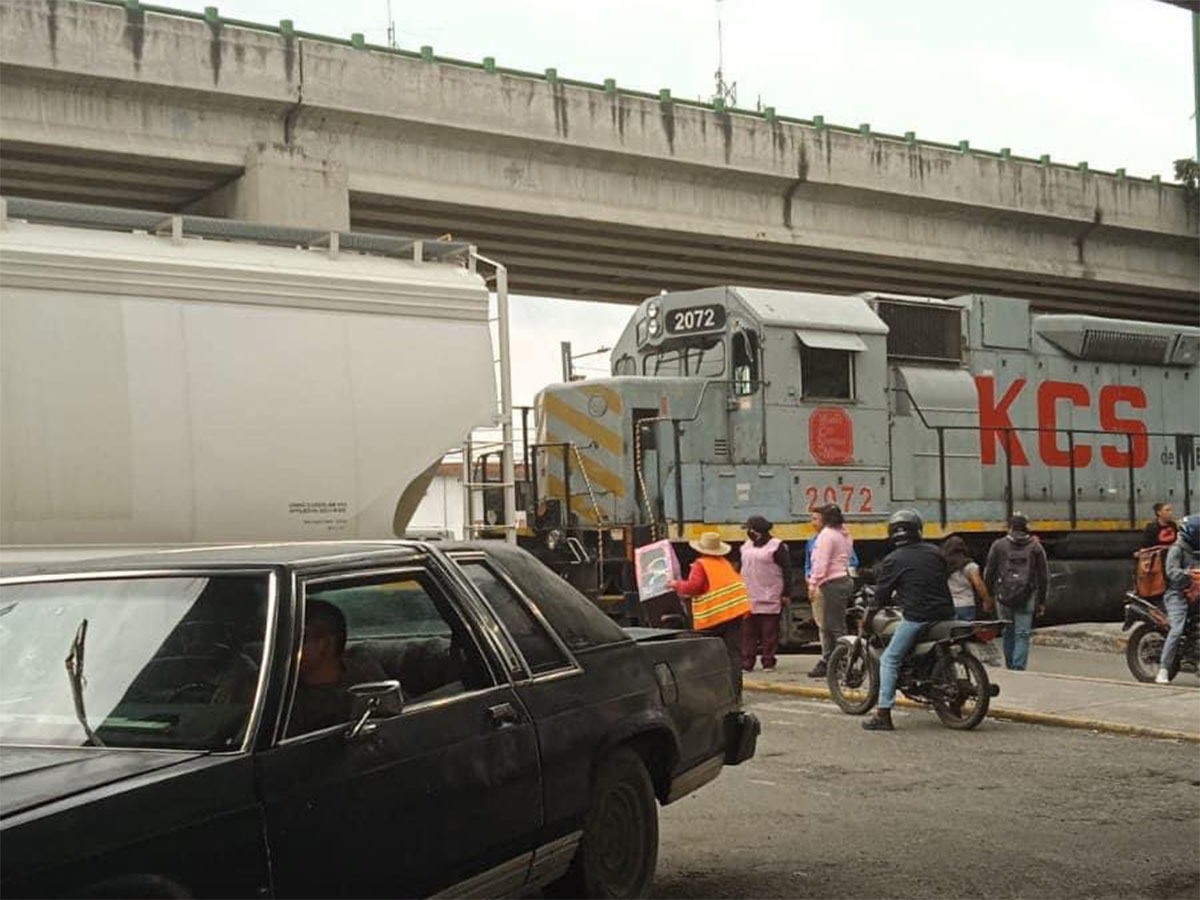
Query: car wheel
[619,849]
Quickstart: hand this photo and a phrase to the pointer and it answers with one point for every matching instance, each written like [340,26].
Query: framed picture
[657,568]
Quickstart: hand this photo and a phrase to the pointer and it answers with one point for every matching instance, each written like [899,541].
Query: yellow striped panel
[610,397]
[581,504]
[584,424]
[599,475]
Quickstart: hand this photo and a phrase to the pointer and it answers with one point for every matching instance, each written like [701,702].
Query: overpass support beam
[282,185]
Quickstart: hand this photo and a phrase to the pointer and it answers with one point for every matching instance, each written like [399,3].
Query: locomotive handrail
[1073,506]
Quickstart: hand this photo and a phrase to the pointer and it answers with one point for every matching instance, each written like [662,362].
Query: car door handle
[503,715]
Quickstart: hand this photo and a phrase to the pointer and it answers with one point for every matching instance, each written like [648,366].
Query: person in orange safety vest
[720,601]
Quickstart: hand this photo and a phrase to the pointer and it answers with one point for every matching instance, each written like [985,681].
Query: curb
[1085,641]
[996,712]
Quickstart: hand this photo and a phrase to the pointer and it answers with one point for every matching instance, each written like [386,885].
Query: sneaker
[881,721]
[819,670]
[1162,677]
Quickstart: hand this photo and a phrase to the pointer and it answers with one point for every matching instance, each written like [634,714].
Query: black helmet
[1189,530]
[904,527]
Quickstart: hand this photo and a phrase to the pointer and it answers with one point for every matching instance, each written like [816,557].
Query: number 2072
[847,496]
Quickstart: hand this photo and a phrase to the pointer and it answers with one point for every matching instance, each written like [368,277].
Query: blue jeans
[1016,635]
[893,655]
[964,613]
[1177,615]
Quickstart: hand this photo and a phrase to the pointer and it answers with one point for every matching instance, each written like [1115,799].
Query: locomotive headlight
[652,310]
[553,539]
[655,327]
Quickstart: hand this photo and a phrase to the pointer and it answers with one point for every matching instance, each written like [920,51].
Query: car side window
[398,626]
[541,651]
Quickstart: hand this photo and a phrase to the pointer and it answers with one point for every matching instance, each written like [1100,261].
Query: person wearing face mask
[767,571]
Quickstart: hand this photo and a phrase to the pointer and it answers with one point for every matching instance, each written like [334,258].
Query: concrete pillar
[283,186]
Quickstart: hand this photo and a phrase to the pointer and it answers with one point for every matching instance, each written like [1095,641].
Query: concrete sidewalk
[1070,701]
[1101,636]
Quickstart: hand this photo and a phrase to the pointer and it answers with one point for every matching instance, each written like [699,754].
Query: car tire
[618,852]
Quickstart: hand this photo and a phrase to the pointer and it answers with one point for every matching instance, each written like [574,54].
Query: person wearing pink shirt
[829,581]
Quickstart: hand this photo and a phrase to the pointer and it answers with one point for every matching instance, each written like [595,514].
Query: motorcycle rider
[1180,558]
[914,574]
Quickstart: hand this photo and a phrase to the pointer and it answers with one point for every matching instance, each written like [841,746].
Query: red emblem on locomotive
[831,436]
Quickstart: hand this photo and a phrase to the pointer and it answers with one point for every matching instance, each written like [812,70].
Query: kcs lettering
[1130,444]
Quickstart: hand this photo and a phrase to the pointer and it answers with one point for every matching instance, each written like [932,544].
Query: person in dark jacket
[1018,577]
[913,576]
[1162,530]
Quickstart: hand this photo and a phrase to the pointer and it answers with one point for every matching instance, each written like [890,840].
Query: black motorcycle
[940,671]
[1144,650]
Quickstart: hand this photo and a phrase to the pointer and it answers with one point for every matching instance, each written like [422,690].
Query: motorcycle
[940,670]
[1144,649]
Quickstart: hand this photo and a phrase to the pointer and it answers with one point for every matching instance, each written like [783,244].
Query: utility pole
[568,370]
[1196,72]
[726,93]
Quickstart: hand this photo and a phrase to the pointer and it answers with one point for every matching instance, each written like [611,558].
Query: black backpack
[1014,586]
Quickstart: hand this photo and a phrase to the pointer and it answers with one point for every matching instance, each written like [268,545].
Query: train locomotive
[730,401]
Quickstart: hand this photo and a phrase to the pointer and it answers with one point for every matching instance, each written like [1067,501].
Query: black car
[345,719]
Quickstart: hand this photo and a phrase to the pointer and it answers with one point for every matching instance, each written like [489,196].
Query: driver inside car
[323,695]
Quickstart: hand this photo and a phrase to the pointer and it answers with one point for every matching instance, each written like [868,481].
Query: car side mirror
[372,694]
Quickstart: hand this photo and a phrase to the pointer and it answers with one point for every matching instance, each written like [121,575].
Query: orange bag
[1150,578]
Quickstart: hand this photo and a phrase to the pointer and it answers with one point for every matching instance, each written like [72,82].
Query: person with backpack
[1181,587]
[1018,577]
[1149,575]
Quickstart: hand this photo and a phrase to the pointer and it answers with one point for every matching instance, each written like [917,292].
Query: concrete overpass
[588,191]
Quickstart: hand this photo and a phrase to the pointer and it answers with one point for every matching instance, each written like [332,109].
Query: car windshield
[154,662]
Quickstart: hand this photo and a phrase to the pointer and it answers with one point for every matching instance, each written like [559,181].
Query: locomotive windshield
[677,358]
[686,341]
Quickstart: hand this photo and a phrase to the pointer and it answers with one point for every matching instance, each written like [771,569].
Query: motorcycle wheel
[1143,652]
[962,691]
[854,687]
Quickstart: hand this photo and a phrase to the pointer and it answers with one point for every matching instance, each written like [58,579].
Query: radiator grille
[1123,347]
[920,332]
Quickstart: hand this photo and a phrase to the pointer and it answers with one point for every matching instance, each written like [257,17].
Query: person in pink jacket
[830,582]
[767,571]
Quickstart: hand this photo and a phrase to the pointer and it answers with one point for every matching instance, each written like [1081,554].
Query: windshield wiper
[74,663]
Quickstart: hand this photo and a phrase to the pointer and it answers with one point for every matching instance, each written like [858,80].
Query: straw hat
[710,544]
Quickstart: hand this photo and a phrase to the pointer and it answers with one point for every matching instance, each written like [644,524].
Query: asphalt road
[1008,810]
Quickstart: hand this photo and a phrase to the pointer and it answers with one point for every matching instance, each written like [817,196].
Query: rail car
[729,401]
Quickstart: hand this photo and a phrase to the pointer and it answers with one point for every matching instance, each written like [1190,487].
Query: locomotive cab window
[827,364]
[745,362]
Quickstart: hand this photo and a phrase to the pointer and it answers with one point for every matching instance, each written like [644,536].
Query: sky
[1106,81]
